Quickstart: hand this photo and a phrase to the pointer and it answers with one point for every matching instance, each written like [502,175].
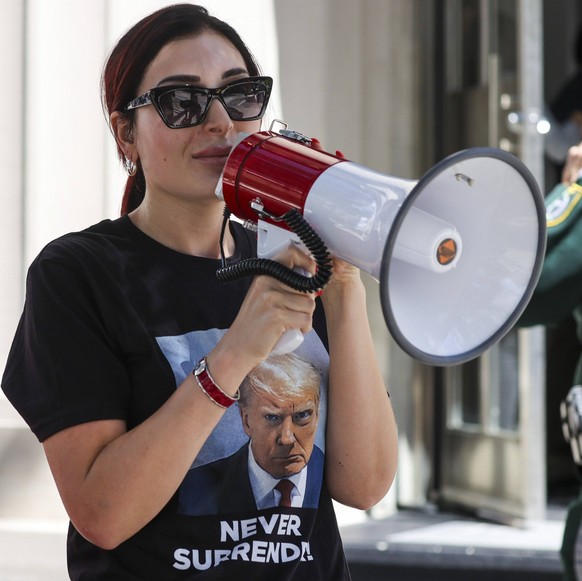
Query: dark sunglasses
[185,105]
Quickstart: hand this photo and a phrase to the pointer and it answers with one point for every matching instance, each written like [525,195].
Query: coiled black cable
[295,280]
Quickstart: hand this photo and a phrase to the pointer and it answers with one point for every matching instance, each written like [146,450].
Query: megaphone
[457,253]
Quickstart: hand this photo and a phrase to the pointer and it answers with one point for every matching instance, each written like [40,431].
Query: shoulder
[233,462]
[317,459]
[86,263]
[218,472]
[96,239]
[78,247]
[97,249]
[563,205]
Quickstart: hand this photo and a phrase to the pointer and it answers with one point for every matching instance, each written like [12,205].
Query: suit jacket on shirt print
[224,487]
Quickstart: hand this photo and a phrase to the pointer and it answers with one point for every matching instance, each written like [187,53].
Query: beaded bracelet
[209,386]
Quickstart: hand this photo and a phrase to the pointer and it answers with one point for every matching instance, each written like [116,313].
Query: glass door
[492,455]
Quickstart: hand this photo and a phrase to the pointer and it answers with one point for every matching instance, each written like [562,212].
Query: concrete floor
[414,545]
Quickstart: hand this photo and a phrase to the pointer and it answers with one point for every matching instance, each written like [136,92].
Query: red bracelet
[210,388]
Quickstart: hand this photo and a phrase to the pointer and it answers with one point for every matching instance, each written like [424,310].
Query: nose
[286,433]
[217,119]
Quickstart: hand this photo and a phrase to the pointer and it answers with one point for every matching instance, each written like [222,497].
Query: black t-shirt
[113,322]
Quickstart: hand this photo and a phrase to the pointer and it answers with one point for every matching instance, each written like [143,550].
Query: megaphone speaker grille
[494,204]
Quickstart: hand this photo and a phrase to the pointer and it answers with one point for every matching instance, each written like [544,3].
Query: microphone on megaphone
[457,253]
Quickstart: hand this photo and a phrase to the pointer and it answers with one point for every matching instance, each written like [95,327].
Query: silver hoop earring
[130,167]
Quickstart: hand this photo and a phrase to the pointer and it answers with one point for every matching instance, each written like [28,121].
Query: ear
[244,416]
[123,131]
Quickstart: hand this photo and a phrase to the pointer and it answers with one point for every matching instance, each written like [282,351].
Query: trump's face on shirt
[282,430]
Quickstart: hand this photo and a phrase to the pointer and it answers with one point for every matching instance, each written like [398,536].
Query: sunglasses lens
[246,100]
[186,106]
[182,107]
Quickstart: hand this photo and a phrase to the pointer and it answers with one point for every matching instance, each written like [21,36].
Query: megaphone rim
[399,337]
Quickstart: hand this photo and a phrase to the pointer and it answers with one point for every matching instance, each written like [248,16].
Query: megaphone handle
[272,239]
[288,342]
[292,338]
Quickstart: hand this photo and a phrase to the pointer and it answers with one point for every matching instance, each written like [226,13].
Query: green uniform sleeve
[559,289]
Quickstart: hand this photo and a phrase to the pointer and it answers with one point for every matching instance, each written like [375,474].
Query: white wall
[11,166]
[63,121]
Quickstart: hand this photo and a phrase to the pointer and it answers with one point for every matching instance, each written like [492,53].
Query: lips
[292,458]
[213,153]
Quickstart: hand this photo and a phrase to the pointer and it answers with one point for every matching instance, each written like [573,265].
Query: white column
[64,147]
[11,163]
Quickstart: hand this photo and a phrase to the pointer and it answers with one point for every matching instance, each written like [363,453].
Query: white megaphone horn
[457,253]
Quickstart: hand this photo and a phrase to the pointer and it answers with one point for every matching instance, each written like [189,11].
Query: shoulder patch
[558,210]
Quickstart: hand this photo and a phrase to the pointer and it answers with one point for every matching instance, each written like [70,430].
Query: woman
[129,353]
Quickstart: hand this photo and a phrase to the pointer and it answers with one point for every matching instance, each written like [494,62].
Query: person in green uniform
[557,297]
[558,294]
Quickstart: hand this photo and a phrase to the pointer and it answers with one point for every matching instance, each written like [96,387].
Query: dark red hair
[136,49]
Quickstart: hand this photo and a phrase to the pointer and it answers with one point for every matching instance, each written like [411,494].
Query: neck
[186,229]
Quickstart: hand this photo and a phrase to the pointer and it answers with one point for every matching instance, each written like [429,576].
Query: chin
[293,469]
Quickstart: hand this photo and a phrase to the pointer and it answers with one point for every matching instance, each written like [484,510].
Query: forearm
[361,450]
[112,481]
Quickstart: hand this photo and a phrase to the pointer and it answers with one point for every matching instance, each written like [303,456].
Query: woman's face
[185,164]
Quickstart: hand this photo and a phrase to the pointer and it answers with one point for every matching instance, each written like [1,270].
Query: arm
[113,481]
[361,449]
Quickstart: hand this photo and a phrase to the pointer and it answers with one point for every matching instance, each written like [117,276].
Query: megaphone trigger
[271,240]
[269,245]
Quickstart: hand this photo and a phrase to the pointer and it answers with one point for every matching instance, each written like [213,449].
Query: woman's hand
[343,273]
[269,309]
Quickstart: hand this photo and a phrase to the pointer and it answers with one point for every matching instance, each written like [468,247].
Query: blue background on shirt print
[184,351]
